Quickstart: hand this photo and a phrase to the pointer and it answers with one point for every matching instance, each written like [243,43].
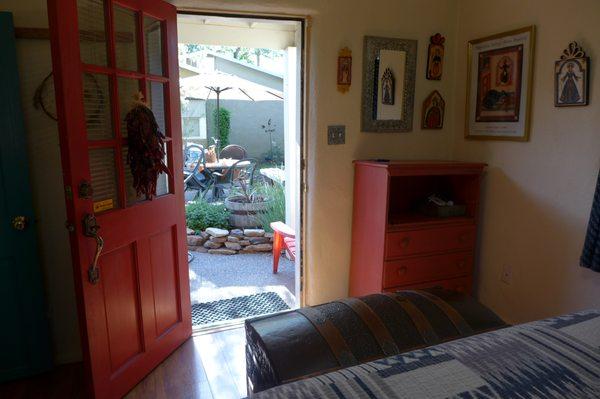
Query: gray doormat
[236,308]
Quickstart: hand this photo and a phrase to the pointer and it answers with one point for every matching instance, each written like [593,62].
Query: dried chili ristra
[146,149]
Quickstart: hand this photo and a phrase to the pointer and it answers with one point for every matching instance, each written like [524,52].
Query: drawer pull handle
[461,264]
[463,237]
[402,271]
[405,241]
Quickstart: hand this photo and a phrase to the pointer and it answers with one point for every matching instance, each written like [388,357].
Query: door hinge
[85,190]
[69,193]
[70,227]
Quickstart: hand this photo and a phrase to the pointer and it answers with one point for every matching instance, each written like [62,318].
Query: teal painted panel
[24,335]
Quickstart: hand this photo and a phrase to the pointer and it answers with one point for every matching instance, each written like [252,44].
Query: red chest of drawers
[394,246]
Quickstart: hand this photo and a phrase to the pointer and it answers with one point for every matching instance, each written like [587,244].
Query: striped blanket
[552,358]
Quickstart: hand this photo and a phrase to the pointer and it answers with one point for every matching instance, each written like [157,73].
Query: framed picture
[435,57]
[389,67]
[344,70]
[571,77]
[432,116]
[499,84]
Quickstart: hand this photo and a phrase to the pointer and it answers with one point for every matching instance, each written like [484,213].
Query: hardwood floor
[208,366]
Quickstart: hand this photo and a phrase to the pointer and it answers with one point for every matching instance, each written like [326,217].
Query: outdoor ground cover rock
[224,242]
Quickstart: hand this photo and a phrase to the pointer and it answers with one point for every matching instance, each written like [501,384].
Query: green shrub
[276,212]
[224,125]
[200,215]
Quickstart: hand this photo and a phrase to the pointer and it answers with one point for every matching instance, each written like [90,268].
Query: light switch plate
[336,134]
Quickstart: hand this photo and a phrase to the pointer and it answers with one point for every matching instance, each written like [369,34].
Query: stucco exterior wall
[247,117]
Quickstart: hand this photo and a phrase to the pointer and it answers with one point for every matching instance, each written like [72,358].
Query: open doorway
[241,122]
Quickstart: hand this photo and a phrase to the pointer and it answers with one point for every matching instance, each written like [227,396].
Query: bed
[552,358]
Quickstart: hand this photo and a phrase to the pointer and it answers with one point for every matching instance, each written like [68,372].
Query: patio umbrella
[199,86]
[226,86]
[218,90]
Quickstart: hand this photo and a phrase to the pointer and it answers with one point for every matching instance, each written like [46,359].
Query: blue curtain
[590,256]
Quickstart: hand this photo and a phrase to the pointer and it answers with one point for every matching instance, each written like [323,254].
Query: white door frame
[299,150]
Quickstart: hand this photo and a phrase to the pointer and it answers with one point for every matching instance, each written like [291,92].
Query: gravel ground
[214,277]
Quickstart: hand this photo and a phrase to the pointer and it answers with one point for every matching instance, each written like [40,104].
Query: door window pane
[155,94]
[96,105]
[127,89]
[153,40]
[126,39]
[104,177]
[162,182]
[92,31]
[191,127]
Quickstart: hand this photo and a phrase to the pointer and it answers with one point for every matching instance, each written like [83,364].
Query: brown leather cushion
[306,342]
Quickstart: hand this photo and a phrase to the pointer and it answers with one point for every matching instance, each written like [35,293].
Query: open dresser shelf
[396,246]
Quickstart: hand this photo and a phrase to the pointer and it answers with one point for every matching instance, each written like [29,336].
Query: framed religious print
[389,67]
[344,70]
[571,75]
[499,84]
[387,87]
[432,115]
[435,57]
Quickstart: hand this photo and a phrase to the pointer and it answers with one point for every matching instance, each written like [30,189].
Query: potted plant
[245,205]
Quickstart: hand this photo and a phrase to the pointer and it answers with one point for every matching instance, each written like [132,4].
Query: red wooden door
[138,311]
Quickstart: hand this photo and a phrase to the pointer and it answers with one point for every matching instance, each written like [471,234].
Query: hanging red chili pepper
[146,148]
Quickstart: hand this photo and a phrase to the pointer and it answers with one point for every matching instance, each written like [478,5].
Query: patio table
[222,164]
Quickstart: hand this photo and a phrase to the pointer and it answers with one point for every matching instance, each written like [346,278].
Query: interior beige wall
[335,24]
[537,195]
[330,167]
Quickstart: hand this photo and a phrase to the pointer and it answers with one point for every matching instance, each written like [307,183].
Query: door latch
[19,223]
[90,229]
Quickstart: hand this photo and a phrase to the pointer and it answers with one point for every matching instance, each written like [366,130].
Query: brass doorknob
[19,223]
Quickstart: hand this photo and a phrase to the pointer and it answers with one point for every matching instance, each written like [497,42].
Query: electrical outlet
[336,134]
[506,276]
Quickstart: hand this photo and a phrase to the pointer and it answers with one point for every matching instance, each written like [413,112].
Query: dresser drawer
[413,242]
[427,268]
[461,284]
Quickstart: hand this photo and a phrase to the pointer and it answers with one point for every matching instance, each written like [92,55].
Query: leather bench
[301,343]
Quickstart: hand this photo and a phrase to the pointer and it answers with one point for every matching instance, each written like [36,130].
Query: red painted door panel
[138,312]
[164,281]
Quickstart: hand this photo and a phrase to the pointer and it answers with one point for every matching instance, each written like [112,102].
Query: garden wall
[247,118]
